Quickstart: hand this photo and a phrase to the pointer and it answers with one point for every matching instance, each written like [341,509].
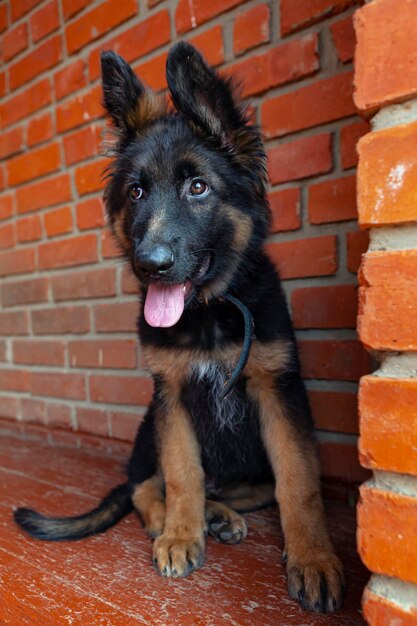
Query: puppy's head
[186,190]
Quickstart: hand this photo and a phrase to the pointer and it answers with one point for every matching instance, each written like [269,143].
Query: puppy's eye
[198,187]
[136,192]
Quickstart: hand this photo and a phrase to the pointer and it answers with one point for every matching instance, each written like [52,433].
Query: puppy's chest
[205,385]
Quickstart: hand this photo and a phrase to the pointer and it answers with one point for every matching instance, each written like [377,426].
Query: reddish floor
[108,580]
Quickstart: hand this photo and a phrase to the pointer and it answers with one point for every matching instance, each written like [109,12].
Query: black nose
[155,259]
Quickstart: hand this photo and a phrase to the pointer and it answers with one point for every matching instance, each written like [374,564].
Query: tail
[110,511]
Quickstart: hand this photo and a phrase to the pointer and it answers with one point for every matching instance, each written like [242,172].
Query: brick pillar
[386,87]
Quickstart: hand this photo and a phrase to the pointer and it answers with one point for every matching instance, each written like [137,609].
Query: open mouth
[165,302]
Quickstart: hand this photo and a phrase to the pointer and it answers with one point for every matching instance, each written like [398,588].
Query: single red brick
[9,406]
[116,318]
[24,292]
[81,144]
[387,306]
[2,179]
[97,283]
[135,42]
[3,352]
[21,7]
[6,206]
[3,17]
[79,110]
[93,421]
[340,461]
[29,229]
[387,532]
[296,15]
[7,236]
[70,79]
[68,252]
[71,7]
[357,243]
[349,137]
[324,101]
[335,306]
[15,40]
[188,16]
[334,410]
[61,321]
[315,256]
[89,178]
[33,410]
[14,323]
[388,409]
[334,359]
[14,380]
[44,21]
[380,611]
[344,39]
[332,201]
[40,129]
[45,56]
[90,214]
[383,58]
[34,163]
[285,207]
[58,385]
[11,142]
[124,425]
[38,352]
[153,72]
[44,193]
[387,191]
[109,248]
[121,389]
[300,158]
[25,103]
[118,353]
[58,415]
[282,64]
[17,261]
[58,221]
[251,28]
[210,44]
[95,23]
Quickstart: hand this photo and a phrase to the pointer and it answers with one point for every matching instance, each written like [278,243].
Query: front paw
[176,557]
[317,582]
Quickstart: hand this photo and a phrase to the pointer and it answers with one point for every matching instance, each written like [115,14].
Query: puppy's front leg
[315,574]
[180,549]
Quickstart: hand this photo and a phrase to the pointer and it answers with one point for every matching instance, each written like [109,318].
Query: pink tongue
[164,304]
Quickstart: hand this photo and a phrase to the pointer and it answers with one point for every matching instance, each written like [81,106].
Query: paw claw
[176,558]
[228,530]
[318,585]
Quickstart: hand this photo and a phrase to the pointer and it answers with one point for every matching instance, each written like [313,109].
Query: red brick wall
[386,84]
[68,352]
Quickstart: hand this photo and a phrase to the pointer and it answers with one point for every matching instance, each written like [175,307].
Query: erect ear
[130,105]
[200,93]
[207,100]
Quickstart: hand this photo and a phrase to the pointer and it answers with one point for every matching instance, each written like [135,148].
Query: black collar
[247,342]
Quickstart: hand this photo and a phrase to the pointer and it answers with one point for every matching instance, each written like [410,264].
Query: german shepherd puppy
[186,200]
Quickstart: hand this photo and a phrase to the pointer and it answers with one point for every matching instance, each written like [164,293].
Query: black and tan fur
[196,453]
